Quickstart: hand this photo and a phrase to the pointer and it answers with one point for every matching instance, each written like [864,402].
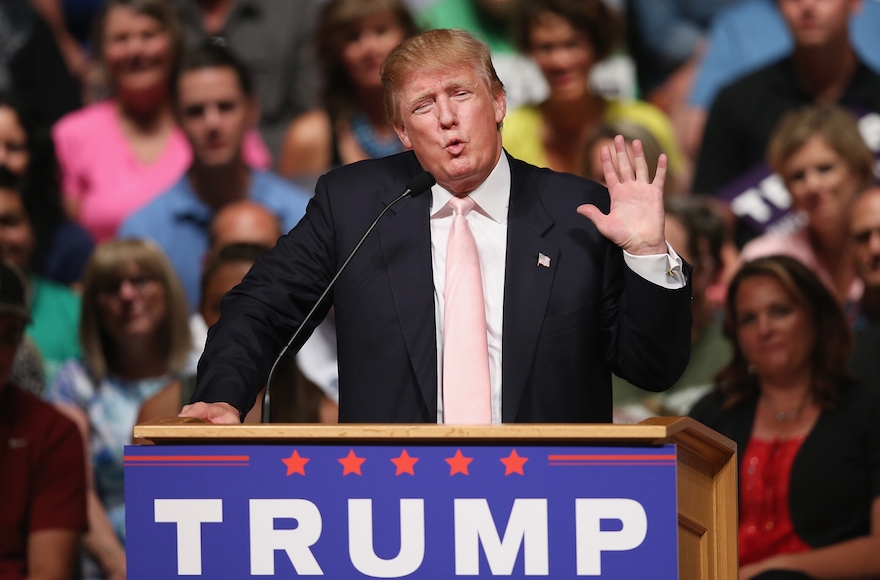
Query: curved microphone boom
[420,184]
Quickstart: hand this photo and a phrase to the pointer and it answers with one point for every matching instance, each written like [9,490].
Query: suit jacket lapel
[405,238]
[527,284]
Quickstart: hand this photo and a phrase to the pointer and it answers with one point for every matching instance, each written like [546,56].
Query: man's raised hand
[635,222]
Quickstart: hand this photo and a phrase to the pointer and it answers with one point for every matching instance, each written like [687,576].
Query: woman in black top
[798,418]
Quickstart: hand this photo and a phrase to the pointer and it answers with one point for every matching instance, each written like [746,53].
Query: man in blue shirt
[215,105]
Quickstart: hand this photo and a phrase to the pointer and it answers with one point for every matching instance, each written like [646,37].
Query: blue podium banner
[400,511]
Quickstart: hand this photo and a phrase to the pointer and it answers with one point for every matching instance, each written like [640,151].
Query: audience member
[26,149]
[223,271]
[245,222]
[55,309]
[239,222]
[566,38]
[823,69]
[591,164]
[273,38]
[864,232]
[353,38]
[692,224]
[750,34]
[667,39]
[314,378]
[31,62]
[215,103]
[118,154]
[808,437]
[670,36]
[41,457]
[135,338]
[824,163]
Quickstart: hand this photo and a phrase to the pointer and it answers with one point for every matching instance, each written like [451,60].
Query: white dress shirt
[488,223]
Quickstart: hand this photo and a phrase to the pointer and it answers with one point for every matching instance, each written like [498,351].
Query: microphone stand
[417,186]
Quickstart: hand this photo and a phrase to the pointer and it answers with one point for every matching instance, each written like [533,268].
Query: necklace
[373,144]
[790,415]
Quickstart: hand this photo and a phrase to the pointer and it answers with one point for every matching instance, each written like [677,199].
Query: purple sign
[392,511]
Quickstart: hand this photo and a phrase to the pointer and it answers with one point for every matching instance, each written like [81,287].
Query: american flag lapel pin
[543,260]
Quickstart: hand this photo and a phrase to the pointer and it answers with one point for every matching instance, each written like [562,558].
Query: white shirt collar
[492,197]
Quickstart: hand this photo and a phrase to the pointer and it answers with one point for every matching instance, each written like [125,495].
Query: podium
[432,468]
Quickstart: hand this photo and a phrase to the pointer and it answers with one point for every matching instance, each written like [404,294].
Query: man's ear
[400,129]
[500,103]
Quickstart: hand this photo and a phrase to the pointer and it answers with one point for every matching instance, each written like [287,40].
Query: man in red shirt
[43,482]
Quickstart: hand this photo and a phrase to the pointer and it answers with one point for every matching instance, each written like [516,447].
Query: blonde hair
[836,126]
[109,263]
[435,50]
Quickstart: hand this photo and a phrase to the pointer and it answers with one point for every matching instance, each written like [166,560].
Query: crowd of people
[151,151]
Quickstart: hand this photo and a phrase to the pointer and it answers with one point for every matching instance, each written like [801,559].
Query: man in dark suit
[564,304]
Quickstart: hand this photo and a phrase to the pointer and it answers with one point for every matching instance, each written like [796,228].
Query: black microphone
[419,185]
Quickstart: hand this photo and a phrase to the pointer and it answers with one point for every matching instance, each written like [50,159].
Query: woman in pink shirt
[118,154]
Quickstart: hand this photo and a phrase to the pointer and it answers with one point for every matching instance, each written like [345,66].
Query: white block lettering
[527,527]
[265,539]
[412,539]
[591,541]
[750,203]
[189,515]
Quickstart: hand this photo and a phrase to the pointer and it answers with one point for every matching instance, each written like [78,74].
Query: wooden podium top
[656,430]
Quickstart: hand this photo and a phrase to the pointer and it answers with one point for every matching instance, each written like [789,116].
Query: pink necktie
[466,391]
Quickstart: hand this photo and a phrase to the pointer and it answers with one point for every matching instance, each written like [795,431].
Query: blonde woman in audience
[353,38]
[824,163]
[566,38]
[119,153]
[135,338]
[808,436]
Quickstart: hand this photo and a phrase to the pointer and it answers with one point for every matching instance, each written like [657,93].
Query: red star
[351,463]
[513,463]
[405,463]
[295,463]
[458,463]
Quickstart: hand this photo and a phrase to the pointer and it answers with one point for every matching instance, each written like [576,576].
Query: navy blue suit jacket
[565,328]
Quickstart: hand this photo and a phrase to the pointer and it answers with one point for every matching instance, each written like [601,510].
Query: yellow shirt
[521,131]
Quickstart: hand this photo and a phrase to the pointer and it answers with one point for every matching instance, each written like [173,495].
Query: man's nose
[212,116]
[446,112]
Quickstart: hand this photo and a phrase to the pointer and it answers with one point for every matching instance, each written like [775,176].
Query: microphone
[419,185]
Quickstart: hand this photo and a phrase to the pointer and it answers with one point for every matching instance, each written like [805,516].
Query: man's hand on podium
[220,413]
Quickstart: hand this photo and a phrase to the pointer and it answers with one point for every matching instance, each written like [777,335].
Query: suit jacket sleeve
[262,313]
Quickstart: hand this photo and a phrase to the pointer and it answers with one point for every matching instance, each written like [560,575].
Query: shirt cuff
[661,269]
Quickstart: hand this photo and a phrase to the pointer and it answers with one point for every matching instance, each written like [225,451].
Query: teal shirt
[463,14]
[54,327]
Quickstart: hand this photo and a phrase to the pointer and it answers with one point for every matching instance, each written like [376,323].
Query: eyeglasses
[139,283]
